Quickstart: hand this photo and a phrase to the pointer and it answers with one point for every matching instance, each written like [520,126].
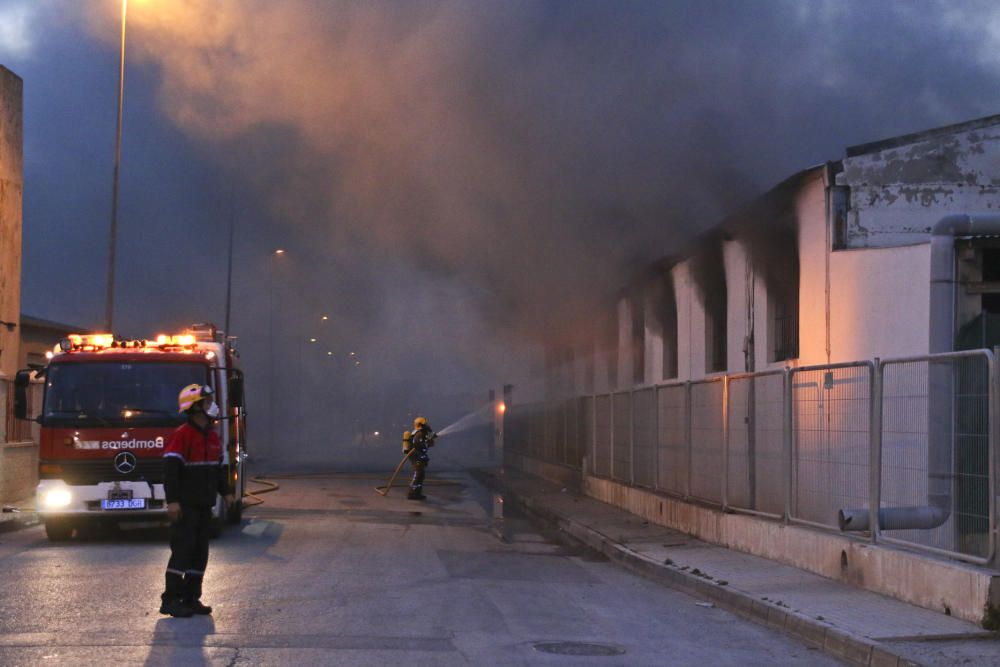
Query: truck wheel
[234,514]
[215,528]
[58,530]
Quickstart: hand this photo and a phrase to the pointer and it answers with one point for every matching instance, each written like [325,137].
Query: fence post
[631,437]
[593,436]
[787,453]
[994,415]
[687,438]
[725,443]
[611,437]
[875,446]
[656,438]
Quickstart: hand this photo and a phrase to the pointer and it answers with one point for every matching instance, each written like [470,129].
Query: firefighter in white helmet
[194,474]
[421,439]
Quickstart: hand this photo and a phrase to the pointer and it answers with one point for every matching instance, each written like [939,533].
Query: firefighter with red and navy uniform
[194,475]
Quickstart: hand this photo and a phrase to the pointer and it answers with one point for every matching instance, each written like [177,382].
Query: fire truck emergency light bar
[95,342]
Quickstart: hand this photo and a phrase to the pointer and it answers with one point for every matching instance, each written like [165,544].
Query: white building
[833,264]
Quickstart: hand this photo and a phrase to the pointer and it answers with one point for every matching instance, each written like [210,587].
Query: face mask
[212,410]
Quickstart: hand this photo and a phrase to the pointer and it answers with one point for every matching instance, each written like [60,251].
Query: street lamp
[270,337]
[110,297]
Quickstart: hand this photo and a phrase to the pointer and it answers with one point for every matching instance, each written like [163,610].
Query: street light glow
[312,340]
[279,251]
[325,318]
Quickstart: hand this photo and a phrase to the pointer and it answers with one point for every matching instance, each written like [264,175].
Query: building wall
[11,193]
[814,254]
[737,322]
[868,299]
[880,302]
[898,193]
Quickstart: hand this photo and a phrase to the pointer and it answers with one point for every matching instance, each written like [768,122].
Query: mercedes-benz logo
[125,462]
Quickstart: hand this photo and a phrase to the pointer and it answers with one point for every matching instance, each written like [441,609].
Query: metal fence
[820,445]
[937,452]
[17,430]
[831,439]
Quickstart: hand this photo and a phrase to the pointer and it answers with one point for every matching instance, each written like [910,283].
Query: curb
[838,643]
[19,521]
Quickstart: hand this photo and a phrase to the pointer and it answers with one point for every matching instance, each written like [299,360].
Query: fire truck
[108,407]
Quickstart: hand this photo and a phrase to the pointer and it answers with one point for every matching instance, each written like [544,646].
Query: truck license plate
[124,504]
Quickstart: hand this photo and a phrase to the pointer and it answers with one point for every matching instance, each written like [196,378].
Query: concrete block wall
[18,471]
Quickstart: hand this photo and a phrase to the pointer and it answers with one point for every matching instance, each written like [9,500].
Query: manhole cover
[578,648]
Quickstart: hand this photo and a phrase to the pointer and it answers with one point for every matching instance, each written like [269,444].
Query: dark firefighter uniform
[194,475]
[421,440]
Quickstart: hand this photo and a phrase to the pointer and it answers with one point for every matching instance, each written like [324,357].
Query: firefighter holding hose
[421,439]
[194,475]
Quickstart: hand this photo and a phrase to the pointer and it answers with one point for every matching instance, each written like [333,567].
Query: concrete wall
[11,193]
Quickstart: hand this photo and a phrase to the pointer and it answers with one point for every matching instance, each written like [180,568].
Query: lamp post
[270,316]
[109,303]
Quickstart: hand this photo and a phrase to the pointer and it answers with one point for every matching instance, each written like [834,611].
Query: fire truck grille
[94,472]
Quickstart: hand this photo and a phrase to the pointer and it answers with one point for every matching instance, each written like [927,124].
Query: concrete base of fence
[18,470]
[565,476]
[968,592]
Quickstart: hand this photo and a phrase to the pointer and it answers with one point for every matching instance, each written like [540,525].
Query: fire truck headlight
[57,498]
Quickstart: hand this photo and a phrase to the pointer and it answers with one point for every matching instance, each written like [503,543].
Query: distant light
[127,414]
[329,354]
[325,317]
[357,363]
[49,355]
[353,353]
[279,251]
[502,408]
[210,355]
[312,340]
[375,434]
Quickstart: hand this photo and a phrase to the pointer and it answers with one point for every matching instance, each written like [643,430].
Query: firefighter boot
[417,483]
[172,602]
[192,595]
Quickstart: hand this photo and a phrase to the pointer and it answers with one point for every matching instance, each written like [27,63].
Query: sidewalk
[16,520]
[858,626]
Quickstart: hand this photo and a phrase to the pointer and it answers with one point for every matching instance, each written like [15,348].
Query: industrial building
[810,378]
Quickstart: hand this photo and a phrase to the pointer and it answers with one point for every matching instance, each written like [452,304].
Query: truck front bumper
[54,497]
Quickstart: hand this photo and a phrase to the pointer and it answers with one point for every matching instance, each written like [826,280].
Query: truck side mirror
[21,382]
[236,390]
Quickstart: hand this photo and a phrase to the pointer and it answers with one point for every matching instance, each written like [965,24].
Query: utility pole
[109,303]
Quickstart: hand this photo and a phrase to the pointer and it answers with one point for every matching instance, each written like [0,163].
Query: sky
[453,182]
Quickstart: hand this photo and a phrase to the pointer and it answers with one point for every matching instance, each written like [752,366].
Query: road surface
[327,572]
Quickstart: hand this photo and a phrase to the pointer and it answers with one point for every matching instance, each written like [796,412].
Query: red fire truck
[108,407]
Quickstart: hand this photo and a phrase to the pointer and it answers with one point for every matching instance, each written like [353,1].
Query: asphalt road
[327,572]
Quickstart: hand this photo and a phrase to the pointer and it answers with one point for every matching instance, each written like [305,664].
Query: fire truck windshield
[117,393]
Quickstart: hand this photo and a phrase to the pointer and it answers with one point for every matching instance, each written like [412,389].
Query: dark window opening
[991,274]
[638,343]
[780,262]
[785,324]
[840,206]
[670,340]
[588,373]
[715,327]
